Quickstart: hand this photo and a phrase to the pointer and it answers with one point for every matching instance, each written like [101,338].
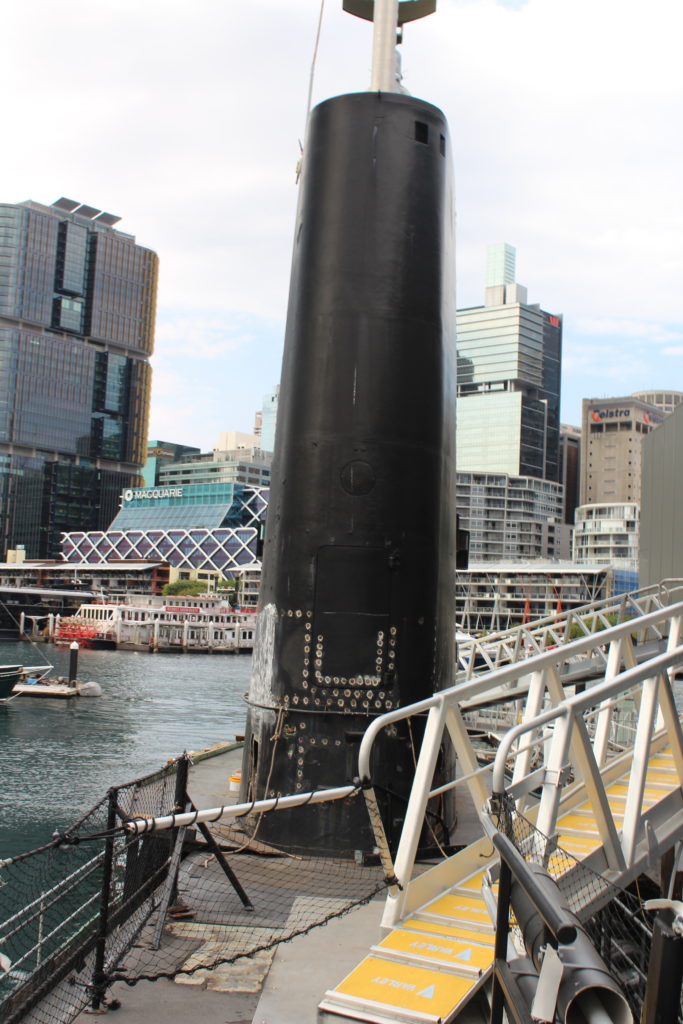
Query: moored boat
[11,675]
[158,624]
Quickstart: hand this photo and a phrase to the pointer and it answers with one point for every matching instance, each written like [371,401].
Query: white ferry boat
[193,624]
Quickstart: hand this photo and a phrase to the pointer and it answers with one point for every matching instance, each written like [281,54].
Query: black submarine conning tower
[356,611]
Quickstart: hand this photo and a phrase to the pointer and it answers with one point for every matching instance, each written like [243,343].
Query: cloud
[649,331]
[205,339]
[186,120]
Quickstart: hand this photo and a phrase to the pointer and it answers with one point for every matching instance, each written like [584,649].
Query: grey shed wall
[661,513]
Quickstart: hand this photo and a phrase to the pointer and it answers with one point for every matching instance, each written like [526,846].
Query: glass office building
[217,526]
[77,310]
[509,370]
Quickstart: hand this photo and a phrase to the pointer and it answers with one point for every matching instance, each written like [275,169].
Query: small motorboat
[10,675]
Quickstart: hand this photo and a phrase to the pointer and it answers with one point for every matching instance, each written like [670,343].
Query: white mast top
[384,57]
[387,16]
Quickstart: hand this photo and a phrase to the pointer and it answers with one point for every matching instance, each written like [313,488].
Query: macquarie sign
[154,493]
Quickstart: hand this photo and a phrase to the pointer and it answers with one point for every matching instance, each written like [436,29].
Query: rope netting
[614,918]
[98,905]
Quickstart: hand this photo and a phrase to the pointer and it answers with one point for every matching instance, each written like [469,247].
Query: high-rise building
[509,370]
[269,419]
[158,454]
[665,401]
[501,260]
[570,469]
[77,309]
[509,517]
[612,433]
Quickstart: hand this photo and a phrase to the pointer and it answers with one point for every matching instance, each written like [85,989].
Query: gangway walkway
[589,800]
[477,655]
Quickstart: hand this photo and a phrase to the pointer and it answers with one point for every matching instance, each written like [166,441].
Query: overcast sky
[184,118]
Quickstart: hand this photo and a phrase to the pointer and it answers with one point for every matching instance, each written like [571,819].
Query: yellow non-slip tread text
[577,822]
[453,906]
[438,926]
[455,953]
[584,844]
[434,992]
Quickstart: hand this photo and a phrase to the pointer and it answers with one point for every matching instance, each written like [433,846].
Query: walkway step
[428,968]
[380,990]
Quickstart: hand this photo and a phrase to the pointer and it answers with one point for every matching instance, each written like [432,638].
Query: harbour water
[59,757]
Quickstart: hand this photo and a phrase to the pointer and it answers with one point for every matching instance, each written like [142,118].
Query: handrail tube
[559,922]
[587,990]
[59,927]
[458,782]
[498,779]
[49,898]
[138,826]
[381,722]
[580,702]
[463,691]
[419,793]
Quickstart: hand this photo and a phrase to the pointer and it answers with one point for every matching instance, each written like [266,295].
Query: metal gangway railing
[477,655]
[560,741]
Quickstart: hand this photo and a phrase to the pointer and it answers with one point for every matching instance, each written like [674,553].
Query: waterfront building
[247,579]
[491,597]
[661,530]
[129,576]
[509,372]
[612,432]
[249,466]
[216,526]
[509,517]
[77,309]
[607,534]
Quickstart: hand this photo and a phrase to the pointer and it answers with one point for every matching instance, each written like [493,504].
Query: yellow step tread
[577,822]
[566,841]
[439,927]
[658,778]
[652,792]
[430,991]
[460,908]
[473,884]
[465,957]
[587,811]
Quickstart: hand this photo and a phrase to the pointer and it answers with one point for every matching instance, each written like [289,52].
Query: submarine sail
[356,613]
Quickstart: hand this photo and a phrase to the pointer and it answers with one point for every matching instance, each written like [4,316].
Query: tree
[185,588]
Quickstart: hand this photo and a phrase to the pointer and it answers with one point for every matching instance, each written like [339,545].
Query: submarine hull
[356,613]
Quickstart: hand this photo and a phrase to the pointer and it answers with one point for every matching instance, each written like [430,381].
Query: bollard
[73,662]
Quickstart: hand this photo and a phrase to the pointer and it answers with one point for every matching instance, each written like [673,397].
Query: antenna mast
[387,17]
